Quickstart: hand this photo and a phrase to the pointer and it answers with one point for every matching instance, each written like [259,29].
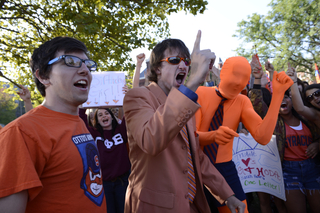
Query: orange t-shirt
[297,142]
[54,157]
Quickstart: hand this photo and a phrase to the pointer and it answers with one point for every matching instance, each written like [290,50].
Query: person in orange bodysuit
[234,76]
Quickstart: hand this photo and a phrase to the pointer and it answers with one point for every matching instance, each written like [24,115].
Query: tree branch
[2,3]
[14,31]
[113,41]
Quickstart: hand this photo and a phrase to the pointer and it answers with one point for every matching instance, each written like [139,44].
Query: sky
[218,23]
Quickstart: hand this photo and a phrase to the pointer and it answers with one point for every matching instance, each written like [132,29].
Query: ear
[158,71]
[45,82]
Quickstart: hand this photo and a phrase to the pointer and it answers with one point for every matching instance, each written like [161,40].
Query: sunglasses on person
[74,61]
[174,60]
[313,95]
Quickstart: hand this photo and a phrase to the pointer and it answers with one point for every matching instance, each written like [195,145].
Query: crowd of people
[169,148]
[298,144]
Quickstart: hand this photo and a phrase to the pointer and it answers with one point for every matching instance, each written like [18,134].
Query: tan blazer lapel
[158,92]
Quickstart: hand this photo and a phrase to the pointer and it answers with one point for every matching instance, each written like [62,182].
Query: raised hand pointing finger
[200,60]
[196,46]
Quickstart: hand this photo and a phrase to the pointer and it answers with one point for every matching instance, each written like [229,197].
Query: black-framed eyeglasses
[313,95]
[176,60]
[74,61]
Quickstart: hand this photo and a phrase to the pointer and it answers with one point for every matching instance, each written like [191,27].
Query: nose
[102,117]
[238,82]
[182,65]
[83,70]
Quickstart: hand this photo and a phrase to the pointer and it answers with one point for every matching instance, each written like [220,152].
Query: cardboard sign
[106,89]
[259,167]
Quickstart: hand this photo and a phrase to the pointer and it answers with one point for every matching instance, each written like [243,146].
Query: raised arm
[125,89]
[136,75]
[256,96]
[263,130]
[83,115]
[148,122]
[14,203]
[269,67]
[213,76]
[200,59]
[25,95]
[297,102]
[256,70]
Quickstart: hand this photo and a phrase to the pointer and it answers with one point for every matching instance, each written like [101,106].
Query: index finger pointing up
[196,46]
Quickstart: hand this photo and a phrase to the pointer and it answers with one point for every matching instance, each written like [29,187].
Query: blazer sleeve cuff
[189,93]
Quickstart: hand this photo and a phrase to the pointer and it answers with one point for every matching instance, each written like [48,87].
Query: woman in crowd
[112,145]
[90,116]
[311,110]
[298,144]
[111,140]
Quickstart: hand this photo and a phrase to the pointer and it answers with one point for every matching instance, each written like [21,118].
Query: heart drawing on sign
[246,162]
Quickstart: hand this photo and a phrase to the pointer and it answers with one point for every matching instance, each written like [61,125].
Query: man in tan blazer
[155,116]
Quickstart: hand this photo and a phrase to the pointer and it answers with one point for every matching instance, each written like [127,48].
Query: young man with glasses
[49,161]
[168,167]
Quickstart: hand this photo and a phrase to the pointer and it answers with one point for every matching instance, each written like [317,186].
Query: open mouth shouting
[180,78]
[83,84]
[105,121]
[284,106]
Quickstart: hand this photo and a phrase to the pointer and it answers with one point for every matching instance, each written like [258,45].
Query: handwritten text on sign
[106,89]
[258,166]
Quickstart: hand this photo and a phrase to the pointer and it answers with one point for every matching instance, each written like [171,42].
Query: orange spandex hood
[234,76]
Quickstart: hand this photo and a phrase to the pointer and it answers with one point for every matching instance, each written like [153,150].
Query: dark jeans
[115,192]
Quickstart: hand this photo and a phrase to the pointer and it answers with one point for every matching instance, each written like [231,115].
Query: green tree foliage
[7,108]
[289,33]
[111,29]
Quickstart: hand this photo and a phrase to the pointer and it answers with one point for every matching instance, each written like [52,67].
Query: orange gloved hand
[224,135]
[281,82]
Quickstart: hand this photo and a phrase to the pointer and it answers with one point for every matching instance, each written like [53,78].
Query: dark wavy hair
[88,113]
[47,51]
[157,54]
[96,124]
[295,113]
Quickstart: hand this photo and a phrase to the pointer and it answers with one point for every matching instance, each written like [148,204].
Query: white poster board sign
[259,167]
[106,89]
